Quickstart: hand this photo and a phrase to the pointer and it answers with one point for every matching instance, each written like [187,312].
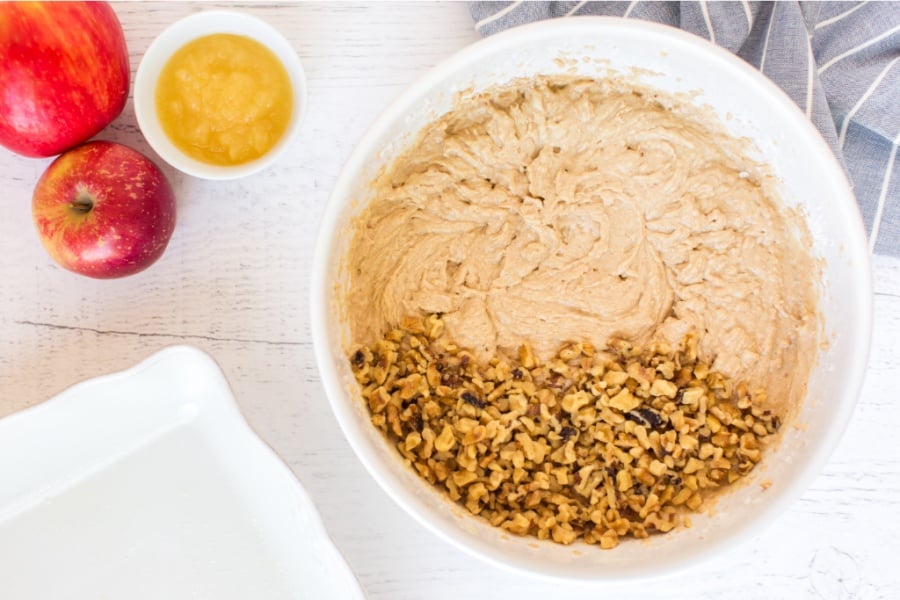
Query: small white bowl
[811,180]
[170,41]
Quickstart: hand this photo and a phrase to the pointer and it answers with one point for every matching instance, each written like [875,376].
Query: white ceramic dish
[177,35]
[750,105]
[149,484]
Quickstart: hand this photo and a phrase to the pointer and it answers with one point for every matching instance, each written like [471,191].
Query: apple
[104,210]
[64,74]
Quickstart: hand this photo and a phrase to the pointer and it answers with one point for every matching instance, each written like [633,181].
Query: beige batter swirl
[570,209]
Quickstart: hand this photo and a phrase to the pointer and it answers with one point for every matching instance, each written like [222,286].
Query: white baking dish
[149,484]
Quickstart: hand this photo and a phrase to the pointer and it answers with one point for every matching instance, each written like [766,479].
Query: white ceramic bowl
[750,105]
[173,38]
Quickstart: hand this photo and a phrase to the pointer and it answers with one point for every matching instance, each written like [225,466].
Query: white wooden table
[235,281]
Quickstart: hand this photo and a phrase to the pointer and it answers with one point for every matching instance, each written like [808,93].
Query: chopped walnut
[592,445]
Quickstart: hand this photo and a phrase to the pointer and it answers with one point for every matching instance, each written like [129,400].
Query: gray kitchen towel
[839,61]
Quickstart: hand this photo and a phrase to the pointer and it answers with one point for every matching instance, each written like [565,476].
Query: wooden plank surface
[235,281]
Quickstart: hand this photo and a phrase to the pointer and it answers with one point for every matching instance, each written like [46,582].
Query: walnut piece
[593,445]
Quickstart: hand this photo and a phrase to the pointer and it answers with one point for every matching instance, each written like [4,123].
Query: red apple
[63,74]
[104,210]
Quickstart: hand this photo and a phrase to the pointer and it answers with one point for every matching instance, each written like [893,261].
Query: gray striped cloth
[837,60]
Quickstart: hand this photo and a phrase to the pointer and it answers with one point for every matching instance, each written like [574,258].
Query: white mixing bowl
[750,106]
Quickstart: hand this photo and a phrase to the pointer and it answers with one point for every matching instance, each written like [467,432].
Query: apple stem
[83,203]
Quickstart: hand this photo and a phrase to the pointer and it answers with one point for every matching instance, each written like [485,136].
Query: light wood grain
[235,281]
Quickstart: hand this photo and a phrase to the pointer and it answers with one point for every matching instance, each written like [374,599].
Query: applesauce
[224,99]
